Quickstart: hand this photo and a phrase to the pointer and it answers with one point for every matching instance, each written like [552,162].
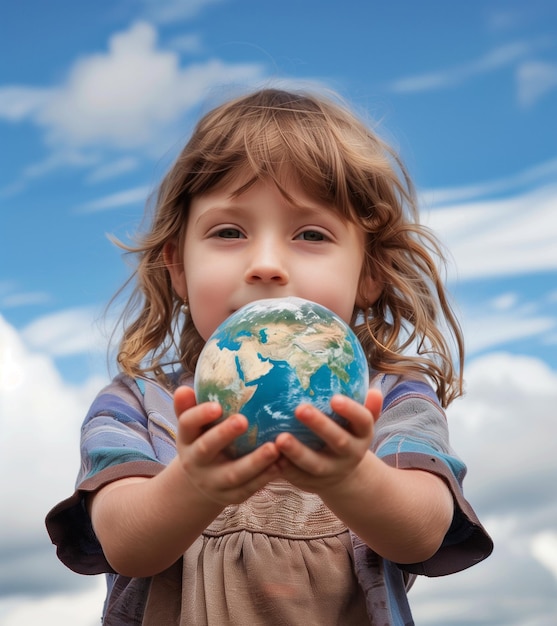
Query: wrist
[367,477]
[181,486]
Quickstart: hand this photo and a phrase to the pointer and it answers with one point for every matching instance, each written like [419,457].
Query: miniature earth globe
[270,356]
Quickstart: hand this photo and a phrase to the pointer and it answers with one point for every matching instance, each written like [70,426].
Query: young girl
[276,194]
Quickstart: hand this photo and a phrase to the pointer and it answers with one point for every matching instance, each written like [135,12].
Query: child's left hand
[319,470]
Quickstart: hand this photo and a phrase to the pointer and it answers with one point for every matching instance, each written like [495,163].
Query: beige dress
[280,558]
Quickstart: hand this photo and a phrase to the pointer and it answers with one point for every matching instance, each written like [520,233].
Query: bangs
[280,137]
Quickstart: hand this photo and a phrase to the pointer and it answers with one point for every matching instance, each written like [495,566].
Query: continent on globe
[272,355]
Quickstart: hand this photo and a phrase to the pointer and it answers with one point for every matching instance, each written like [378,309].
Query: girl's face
[258,245]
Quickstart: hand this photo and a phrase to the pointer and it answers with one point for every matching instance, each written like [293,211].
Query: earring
[185,307]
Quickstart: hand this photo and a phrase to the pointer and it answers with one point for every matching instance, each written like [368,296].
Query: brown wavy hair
[411,329]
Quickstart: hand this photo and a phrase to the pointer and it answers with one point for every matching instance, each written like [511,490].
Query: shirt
[130,430]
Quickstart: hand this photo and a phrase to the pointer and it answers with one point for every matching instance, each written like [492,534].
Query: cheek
[202,294]
[204,316]
[342,303]
[338,292]
[208,296]
[346,290]
[203,305]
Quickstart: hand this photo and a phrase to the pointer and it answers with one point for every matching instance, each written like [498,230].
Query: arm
[165,514]
[409,511]
[403,515]
[148,512]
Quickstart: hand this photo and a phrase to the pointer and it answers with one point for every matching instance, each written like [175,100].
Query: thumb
[184,399]
[374,403]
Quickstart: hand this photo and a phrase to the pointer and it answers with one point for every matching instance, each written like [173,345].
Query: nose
[267,265]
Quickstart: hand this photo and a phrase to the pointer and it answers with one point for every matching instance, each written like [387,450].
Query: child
[276,194]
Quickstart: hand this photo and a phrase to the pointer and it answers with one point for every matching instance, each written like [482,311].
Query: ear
[175,266]
[368,292]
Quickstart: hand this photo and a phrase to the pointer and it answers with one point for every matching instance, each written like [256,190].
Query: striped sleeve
[128,431]
[412,433]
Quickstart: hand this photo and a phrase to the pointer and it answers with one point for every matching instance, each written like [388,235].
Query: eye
[312,235]
[229,233]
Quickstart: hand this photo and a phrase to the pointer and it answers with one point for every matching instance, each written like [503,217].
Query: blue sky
[96,98]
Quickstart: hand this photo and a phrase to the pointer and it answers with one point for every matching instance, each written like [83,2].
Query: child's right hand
[201,451]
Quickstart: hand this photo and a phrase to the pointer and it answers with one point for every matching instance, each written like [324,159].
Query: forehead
[298,191]
[263,200]
[286,180]
[242,187]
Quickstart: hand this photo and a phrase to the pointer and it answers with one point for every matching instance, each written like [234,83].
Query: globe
[270,356]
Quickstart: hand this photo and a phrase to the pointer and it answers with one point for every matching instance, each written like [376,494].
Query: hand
[317,471]
[202,452]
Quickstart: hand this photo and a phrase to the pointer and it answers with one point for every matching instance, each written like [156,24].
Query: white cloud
[544,549]
[189,43]
[507,317]
[505,19]
[137,195]
[78,609]
[493,60]
[113,169]
[502,237]
[11,296]
[534,177]
[535,79]
[40,418]
[505,430]
[168,11]
[128,96]
[484,330]
[64,333]
[14,300]
[505,301]
[63,157]
[123,98]
[19,102]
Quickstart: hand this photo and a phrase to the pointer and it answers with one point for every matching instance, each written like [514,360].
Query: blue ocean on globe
[270,356]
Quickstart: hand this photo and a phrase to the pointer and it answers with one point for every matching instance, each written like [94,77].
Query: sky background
[96,98]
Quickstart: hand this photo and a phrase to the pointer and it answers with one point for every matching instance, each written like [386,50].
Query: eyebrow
[239,209]
[219,208]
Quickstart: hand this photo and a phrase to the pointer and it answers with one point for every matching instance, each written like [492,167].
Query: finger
[238,479]
[248,470]
[335,436]
[193,422]
[358,415]
[300,457]
[184,399]
[214,441]
[374,403]
[246,490]
[271,473]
